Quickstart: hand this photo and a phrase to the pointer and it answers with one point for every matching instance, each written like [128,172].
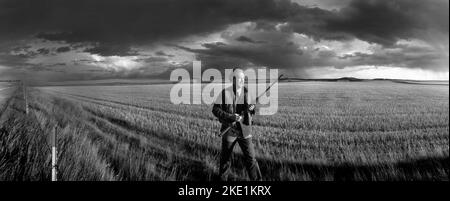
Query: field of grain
[5,92]
[373,130]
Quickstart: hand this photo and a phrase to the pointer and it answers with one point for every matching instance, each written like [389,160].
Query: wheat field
[371,130]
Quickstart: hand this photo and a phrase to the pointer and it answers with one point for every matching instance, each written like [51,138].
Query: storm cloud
[377,21]
[135,21]
[225,33]
[132,21]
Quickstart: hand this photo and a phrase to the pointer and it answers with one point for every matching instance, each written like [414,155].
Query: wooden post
[54,156]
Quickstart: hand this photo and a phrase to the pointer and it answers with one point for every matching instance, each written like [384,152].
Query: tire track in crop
[136,131]
[104,144]
[159,146]
[5,106]
[100,100]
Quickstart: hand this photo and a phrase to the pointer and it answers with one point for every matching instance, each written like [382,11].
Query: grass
[376,130]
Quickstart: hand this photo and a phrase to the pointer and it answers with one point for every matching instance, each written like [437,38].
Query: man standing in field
[233,110]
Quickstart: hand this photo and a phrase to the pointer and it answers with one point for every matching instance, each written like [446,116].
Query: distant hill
[342,79]
[353,79]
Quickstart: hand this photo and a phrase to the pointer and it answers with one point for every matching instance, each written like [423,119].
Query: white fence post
[54,156]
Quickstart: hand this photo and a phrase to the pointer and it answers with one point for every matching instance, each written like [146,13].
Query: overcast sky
[59,40]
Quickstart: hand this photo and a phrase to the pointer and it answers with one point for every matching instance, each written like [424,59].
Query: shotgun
[257,99]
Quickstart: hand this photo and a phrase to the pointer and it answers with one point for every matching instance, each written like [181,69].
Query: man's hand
[238,117]
[251,108]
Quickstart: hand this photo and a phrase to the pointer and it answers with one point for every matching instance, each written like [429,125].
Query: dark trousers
[248,150]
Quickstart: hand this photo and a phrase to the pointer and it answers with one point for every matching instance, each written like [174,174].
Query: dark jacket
[225,108]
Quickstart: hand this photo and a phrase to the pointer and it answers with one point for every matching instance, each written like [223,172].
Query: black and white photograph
[219,91]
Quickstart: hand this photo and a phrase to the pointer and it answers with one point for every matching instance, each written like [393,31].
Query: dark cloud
[13,60]
[68,37]
[248,40]
[117,27]
[153,59]
[157,70]
[323,4]
[47,67]
[381,21]
[20,48]
[222,61]
[284,53]
[399,56]
[280,54]
[112,49]
[132,21]
[162,53]
[63,49]
[135,21]
[43,51]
